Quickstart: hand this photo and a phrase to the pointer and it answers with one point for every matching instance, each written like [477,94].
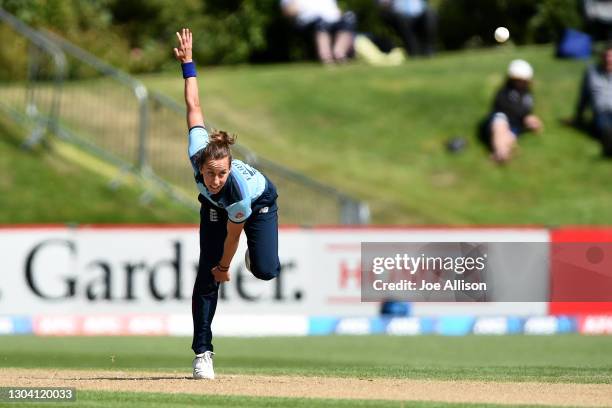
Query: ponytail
[222,137]
[219,142]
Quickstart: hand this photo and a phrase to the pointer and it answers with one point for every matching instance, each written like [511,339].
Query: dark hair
[219,142]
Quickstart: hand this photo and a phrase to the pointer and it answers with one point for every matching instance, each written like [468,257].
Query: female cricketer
[234,197]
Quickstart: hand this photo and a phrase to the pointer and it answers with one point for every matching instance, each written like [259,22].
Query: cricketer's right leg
[203,308]
[213,230]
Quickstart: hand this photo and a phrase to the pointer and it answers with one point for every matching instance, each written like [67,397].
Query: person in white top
[414,21]
[333,31]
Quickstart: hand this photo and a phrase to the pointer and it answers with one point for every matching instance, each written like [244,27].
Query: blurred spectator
[414,21]
[332,30]
[512,111]
[596,95]
[598,16]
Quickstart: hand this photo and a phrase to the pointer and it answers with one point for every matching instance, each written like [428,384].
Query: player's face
[215,173]
[521,84]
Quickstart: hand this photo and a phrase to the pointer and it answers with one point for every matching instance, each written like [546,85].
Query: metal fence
[33,96]
[115,117]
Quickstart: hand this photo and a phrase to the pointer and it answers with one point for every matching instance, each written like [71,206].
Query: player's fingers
[176,53]
[180,40]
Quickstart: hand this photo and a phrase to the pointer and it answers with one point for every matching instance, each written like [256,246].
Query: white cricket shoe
[203,366]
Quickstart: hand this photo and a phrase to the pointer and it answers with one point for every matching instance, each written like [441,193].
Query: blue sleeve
[198,140]
[239,212]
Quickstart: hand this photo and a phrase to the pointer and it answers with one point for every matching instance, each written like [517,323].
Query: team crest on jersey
[240,215]
[214,217]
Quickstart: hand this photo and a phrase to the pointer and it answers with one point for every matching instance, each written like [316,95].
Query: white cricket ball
[501,34]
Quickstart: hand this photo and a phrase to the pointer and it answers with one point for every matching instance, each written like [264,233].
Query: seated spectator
[332,30]
[596,95]
[512,111]
[598,18]
[414,21]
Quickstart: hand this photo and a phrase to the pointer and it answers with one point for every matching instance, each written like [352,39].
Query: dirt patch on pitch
[317,387]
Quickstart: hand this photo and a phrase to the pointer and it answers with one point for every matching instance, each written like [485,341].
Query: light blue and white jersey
[244,184]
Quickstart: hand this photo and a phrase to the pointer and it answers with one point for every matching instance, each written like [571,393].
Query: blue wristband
[189,69]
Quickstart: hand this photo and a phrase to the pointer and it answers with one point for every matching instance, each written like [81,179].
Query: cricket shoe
[203,366]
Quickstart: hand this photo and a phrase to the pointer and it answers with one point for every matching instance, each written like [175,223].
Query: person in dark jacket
[512,112]
[414,21]
[596,95]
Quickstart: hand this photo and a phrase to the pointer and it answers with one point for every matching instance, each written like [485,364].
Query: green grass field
[375,133]
[575,359]
[379,134]
[126,399]
[549,359]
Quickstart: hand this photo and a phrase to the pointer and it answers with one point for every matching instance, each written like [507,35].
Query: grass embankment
[59,184]
[376,133]
[379,134]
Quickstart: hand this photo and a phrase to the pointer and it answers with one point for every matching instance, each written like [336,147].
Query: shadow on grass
[482,134]
[155,378]
[585,128]
[9,133]
[588,130]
